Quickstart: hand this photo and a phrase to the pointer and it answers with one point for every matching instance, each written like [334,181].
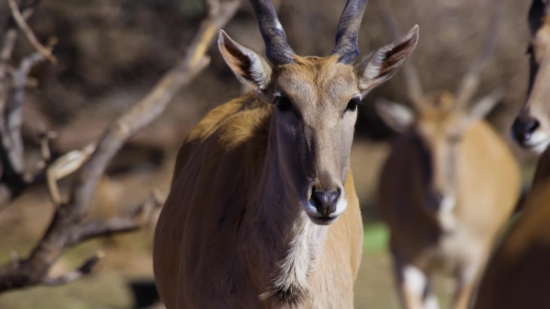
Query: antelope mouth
[537,143]
[324,219]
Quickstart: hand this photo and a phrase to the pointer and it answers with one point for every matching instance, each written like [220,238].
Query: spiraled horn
[348,29]
[276,48]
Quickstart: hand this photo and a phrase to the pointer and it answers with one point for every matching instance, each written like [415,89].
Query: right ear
[380,66]
[396,116]
[249,68]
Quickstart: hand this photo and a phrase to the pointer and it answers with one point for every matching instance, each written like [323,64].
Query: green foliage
[375,238]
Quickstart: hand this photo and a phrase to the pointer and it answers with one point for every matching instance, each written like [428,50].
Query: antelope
[448,185]
[518,273]
[262,211]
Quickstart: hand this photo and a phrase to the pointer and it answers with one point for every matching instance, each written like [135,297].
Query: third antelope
[449,184]
[518,274]
[262,212]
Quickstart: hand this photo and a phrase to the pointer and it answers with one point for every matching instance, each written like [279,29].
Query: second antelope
[518,274]
[448,186]
[262,212]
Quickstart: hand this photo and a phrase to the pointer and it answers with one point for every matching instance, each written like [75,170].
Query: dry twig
[76,274]
[22,23]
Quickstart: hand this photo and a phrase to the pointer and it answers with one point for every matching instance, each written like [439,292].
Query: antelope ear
[481,108]
[249,67]
[380,66]
[396,116]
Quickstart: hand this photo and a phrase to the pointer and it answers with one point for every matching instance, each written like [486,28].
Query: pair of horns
[279,52]
[470,82]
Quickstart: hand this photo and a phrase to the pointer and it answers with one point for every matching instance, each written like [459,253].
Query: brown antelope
[262,211]
[448,186]
[518,274]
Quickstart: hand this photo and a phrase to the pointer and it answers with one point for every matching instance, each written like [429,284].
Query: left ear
[249,67]
[481,108]
[380,66]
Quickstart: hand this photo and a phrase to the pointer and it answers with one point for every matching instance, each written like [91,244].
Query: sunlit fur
[518,274]
[233,233]
[450,152]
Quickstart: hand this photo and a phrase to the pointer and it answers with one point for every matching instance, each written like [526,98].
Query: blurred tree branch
[22,23]
[66,228]
[11,181]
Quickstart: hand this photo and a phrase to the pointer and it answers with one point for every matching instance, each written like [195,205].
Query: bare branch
[140,218]
[76,274]
[151,106]
[45,136]
[66,228]
[12,181]
[46,52]
[13,142]
[64,166]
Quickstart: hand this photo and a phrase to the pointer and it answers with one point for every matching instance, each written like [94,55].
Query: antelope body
[518,273]
[448,186]
[262,211]
[445,195]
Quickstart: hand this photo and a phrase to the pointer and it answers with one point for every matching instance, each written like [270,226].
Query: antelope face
[437,128]
[315,109]
[531,129]
[314,103]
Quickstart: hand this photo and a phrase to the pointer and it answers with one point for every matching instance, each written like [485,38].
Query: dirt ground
[108,288]
[128,257]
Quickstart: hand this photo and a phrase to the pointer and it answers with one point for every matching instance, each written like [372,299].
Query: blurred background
[111,53]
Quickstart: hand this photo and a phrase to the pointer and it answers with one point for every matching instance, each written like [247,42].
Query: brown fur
[484,180]
[518,274]
[242,227]
[228,227]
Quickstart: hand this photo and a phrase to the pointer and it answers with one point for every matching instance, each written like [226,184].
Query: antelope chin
[538,142]
[318,218]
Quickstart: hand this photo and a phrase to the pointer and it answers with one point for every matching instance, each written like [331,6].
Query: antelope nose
[523,129]
[325,202]
[434,200]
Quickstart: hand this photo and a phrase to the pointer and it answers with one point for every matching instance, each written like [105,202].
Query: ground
[128,257]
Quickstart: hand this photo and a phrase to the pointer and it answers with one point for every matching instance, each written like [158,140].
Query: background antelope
[518,274]
[251,219]
[448,185]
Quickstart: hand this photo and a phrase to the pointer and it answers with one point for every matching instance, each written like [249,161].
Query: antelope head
[437,121]
[531,129]
[437,125]
[314,102]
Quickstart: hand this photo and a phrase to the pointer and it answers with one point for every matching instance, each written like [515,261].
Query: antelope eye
[283,103]
[352,104]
